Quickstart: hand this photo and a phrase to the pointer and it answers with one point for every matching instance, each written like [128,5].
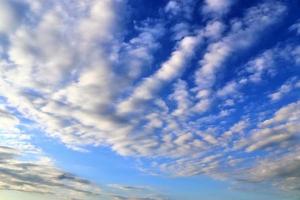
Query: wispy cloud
[24,167]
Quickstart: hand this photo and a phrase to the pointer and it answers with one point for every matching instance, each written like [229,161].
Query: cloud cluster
[290,85]
[84,80]
[127,192]
[40,176]
[217,7]
[24,167]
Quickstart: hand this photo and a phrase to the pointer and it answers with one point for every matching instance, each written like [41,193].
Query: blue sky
[150,100]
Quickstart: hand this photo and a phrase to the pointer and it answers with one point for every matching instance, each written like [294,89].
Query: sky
[150,99]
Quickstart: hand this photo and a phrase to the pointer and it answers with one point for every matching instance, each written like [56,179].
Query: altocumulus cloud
[24,167]
[74,70]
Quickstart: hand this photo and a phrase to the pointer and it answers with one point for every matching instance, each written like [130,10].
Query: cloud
[237,128]
[40,177]
[137,54]
[129,192]
[182,97]
[277,132]
[169,70]
[284,89]
[275,136]
[10,15]
[295,27]
[228,89]
[267,63]
[282,172]
[11,136]
[236,40]
[81,78]
[24,167]
[180,9]
[117,197]
[7,120]
[56,80]
[217,6]
[261,65]
[126,187]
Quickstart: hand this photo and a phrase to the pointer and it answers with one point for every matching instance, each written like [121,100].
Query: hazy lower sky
[150,99]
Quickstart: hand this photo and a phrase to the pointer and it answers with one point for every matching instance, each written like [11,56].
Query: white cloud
[182,98]
[138,52]
[217,6]
[295,27]
[44,61]
[180,8]
[40,176]
[168,71]
[259,66]
[7,121]
[277,132]
[229,89]
[85,81]
[24,167]
[9,16]
[132,192]
[242,35]
[237,128]
[282,172]
[214,29]
[172,7]
[284,89]
[42,73]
